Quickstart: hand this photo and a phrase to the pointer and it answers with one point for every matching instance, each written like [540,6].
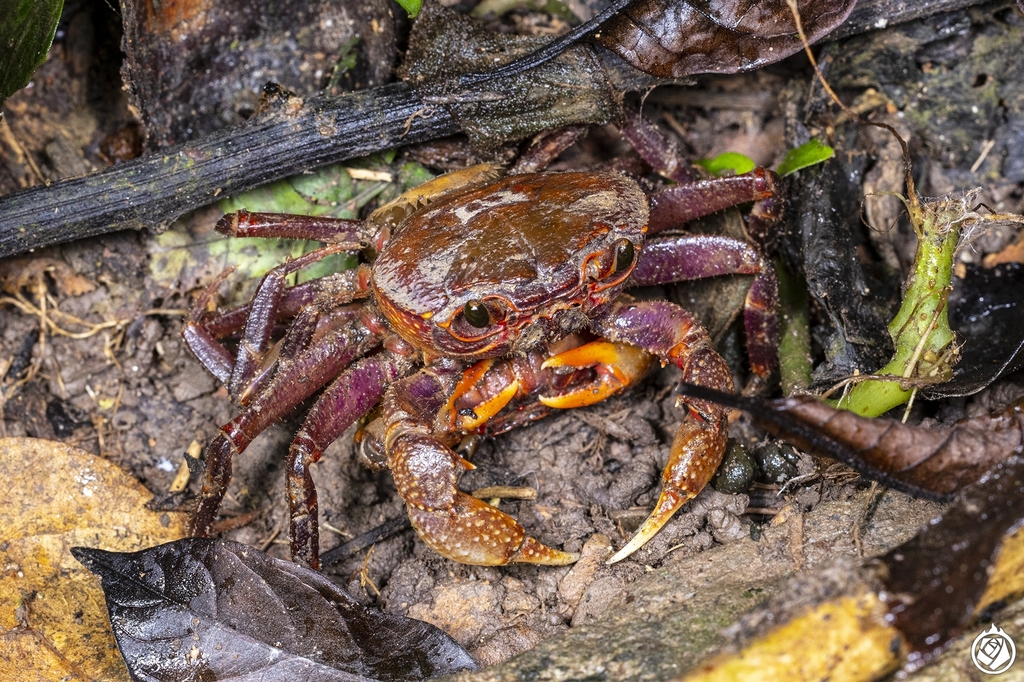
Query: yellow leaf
[53,619]
[851,642]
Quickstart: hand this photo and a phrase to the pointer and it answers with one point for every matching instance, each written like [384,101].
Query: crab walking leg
[260,324]
[231,321]
[294,382]
[289,226]
[271,303]
[310,325]
[680,204]
[352,395]
[695,196]
[426,473]
[656,149]
[321,316]
[676,259]
[675,336]
[203,343]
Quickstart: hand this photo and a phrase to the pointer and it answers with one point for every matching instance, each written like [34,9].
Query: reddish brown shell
[521,243]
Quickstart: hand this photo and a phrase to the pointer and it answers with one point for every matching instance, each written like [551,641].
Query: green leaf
[26,32]
[732,163]
[330,191]
[812,152]
[410,6]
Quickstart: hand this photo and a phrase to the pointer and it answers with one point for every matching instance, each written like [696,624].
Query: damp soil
[126,388]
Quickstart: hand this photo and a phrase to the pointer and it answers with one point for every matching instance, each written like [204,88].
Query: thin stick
[364,541]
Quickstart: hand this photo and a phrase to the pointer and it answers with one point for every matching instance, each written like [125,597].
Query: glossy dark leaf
[26,32]
[931,462]
[987,314]
[820,245]
[933,583]
[677,38]
[218,610]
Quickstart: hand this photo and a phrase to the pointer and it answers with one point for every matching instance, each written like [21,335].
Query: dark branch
[157,188]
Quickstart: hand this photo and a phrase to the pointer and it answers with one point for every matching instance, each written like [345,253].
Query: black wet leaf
[199,609]
[987,314]
[821,244]
[934,582]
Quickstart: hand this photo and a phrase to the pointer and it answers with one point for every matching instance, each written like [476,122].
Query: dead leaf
[17,274]
[933,462]
[53,622]
[220,610]
[673,38]
[1012,253]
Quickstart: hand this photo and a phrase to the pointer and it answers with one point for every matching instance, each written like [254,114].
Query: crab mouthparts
[550,328]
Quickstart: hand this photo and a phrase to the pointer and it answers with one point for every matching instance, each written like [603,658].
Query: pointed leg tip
[533,552]
[669,503]
[633,545]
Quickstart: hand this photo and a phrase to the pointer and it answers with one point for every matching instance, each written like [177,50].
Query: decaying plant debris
[130,392]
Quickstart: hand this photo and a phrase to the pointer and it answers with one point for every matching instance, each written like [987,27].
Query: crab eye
[624,253]
[476,314]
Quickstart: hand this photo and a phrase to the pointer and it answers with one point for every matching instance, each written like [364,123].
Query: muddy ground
[124,386]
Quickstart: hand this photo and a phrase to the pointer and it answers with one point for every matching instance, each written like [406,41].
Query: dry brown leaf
[21,273]
[1014,253]
[53,619]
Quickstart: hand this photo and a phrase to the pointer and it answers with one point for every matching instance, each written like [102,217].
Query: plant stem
[794,332]
[920,331]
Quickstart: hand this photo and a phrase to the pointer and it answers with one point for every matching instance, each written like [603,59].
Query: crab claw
[448,418]
[618,366]
[452,523]
[473,532]
[697,450]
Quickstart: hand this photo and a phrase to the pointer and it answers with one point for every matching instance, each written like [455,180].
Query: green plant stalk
[794,332]
[920,331]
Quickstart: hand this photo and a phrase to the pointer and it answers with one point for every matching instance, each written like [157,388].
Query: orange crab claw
[487,409]
[474,532]
[618,366]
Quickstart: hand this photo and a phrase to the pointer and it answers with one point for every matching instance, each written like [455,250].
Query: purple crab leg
[695,196]
[656,149]
[676,259]
[217,359]
[260,324]
[426,472]
[295,381]
[348,398]
[546,147]
[272,303]
[288,226]
[680,204]
[309,325]
[232,321]
[674,335]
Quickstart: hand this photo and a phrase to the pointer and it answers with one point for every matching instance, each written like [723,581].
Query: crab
[491,299]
